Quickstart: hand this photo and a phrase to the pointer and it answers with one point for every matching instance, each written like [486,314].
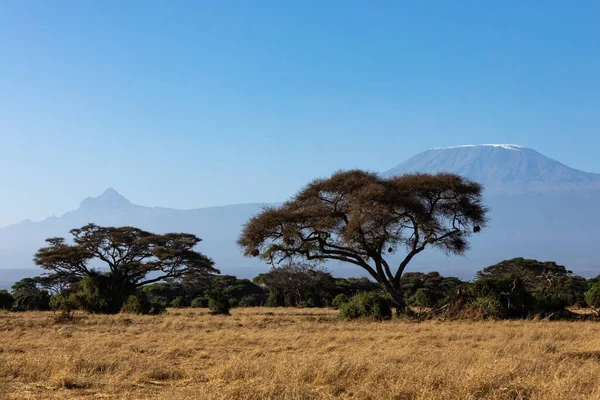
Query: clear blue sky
[190,104]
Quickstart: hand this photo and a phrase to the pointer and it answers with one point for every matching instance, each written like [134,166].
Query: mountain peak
[503,146]
[109,199]
[501,168]
[110,192]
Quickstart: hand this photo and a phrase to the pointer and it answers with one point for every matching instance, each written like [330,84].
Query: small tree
[592,297]
[551,285]
[358,217]
[30,295]
[133,258]
[6,300]
[218,303]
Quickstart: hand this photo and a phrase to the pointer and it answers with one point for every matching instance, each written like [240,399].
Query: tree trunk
[398,299]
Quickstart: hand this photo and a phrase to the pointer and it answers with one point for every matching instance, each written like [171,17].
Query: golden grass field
[264,353]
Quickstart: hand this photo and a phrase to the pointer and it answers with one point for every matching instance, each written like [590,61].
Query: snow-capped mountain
[501,167]
[540,209]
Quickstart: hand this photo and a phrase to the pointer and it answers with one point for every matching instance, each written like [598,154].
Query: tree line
[515,288]
[354,217]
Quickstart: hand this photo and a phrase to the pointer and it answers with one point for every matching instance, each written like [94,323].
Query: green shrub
[65,304]
[101,294]
[218,303]
[274,300]
[199,302]
[141,304]
[486,307]
[592,296]
[421,299]
[252,300]
[366,305]
[6,300]
[339,300]
[179,302]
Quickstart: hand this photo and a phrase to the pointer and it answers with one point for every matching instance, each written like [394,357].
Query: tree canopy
[130,254]
[358,217]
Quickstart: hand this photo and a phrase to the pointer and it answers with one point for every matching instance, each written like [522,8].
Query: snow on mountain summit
[504,146]
[500,167]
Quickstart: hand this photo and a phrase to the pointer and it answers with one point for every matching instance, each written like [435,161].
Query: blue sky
[191,104]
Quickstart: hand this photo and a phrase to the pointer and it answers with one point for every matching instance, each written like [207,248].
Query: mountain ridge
[541,209]
[500,167]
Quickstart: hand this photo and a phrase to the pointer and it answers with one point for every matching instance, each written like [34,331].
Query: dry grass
[294,354]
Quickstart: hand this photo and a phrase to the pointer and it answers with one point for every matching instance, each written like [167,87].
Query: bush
[199,302]
[366,305]
[252,300]
[6,300]
[179,302]
[65,304]
[101,294]
[274,300]
[592,297]
[339,300]
[141,304]
[218,303]
[484,308]
[421,299]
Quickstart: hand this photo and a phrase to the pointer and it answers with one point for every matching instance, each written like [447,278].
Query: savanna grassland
[262,353]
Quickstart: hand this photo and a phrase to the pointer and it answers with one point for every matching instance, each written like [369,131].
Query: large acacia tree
[130,256]
[362,218]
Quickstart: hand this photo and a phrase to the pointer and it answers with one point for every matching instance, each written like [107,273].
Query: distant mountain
[501,167]
[540,209]
[218,227]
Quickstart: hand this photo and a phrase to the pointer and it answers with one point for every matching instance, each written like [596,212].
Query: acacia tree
[132,256]
[360,217]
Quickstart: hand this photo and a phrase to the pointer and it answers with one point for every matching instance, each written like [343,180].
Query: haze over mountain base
[540,209]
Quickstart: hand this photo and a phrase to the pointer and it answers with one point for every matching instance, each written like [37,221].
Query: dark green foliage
[199,302]
[366,305]
[353,286]
[29,295]
[6,300]
[298,285]
[218,303]
[274,299]
[100,293]
[165,292]
[421,299]
[240,292]
[65,304]
[436,286]
[518,288]
[253,300]
[179,302]
[592,296]
[140,304]
[339,300]
[551,284]
[486,307]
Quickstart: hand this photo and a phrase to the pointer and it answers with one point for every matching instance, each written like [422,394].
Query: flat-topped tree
[130,254]
[360,218]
